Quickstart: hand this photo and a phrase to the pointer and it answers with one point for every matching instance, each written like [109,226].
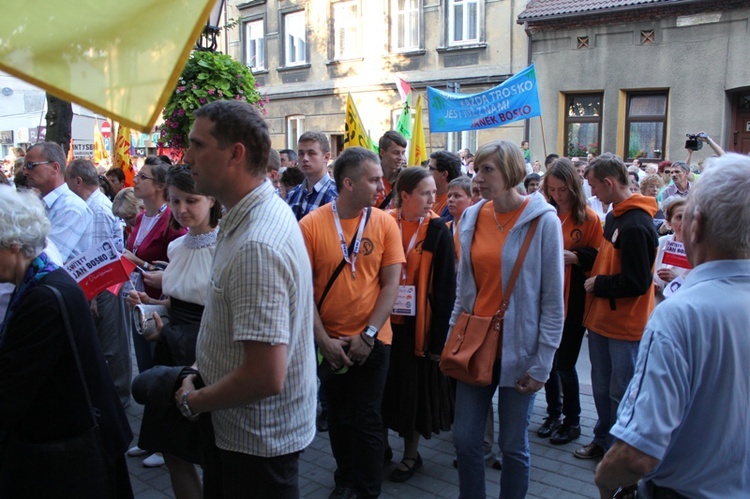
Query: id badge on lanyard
[406,301]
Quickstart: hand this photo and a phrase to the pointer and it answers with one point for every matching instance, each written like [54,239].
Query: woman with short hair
[54,389]
[491,234]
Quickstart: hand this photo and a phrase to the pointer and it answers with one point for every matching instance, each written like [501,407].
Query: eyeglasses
[141,177]
[30,165]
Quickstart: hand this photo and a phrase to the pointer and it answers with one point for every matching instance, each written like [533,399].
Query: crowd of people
[296,293]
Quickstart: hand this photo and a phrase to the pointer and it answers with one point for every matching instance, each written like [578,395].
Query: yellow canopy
[121,59]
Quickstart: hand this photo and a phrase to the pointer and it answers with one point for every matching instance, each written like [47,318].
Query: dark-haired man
[621,294]
[288,158]
[392,150]
[318,188]
[255,346]
[444,167]
[356,254]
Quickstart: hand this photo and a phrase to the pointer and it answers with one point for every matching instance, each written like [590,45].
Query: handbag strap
[71,339]
[338,270]
[517,267]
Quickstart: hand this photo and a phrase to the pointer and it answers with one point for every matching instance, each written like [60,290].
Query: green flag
[404,121]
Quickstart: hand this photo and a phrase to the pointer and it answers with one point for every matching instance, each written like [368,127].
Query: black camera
[693,142]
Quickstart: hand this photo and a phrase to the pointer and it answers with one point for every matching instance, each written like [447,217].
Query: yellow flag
[417,146]
[100,151]
[120,59]
[355,133]
[122,155]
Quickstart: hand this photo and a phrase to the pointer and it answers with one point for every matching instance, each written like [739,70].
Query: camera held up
[694,142]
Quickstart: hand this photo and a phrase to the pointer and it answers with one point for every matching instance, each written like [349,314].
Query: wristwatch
[371,332]
[185,409]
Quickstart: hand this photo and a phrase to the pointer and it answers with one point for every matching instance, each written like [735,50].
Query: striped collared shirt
[261,290]
[303,201]
[105,225]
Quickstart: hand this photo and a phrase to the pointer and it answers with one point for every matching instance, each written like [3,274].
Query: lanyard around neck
[342,239]
[412,243]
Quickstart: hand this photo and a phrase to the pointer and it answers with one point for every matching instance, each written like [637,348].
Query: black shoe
[564,434]
[412,465]
[387,455]
[341,492]
[322,422]
[496,465]
[590,451]
[548,427]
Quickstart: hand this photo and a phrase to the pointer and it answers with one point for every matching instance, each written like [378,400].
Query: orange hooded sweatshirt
[623,296]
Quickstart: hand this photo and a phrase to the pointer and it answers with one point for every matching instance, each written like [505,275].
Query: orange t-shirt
[347,308]
[588,235]
[486,256]
[388,188]
[441,200]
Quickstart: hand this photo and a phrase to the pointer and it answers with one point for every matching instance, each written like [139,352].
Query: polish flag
[403,88]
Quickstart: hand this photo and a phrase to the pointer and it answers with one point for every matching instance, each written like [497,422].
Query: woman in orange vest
[418,398]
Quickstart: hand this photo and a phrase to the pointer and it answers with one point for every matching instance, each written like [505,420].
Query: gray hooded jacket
[534,320]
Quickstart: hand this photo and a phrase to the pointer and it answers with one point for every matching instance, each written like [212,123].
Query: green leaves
[207,76]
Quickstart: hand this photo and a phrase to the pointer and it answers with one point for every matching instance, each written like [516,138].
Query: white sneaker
[153,461]
[136,452]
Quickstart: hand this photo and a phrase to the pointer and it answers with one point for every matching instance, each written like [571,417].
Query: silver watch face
[371,332]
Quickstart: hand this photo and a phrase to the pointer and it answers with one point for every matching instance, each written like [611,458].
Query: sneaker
[590,451]
[564,434]
[136,452]
[153,461]
[548,427]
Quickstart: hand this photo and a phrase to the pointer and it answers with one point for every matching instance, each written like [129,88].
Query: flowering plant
[208,76]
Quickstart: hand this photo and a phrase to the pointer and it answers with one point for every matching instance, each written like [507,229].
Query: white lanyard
[412,243]
[342,238]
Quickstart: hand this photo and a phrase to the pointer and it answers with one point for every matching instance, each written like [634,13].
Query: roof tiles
[541,9]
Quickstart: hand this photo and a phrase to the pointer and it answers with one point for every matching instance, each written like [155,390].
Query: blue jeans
[612,367]
[513,413]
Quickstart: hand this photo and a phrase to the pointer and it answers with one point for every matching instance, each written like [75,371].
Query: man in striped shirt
[318,188]
[255,346]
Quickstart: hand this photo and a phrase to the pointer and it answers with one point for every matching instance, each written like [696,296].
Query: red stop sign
[106,130]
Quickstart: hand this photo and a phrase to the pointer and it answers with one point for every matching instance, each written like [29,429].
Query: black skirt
[417,397]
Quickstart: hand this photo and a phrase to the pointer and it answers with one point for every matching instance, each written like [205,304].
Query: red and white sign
[99,268]
[106,130]
[674,254]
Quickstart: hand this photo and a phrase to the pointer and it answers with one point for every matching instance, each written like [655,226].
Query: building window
[255,45]
[295,39]
[295,127]
[583,124]
[462,140]
[463,21]
[405,25]
[346,30]
[646,125]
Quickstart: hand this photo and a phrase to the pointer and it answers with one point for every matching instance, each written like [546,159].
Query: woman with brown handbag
[495,234]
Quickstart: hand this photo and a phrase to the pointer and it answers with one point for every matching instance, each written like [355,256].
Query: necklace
[502,226]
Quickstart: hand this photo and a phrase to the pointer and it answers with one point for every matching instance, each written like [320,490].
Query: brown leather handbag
[471,350]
